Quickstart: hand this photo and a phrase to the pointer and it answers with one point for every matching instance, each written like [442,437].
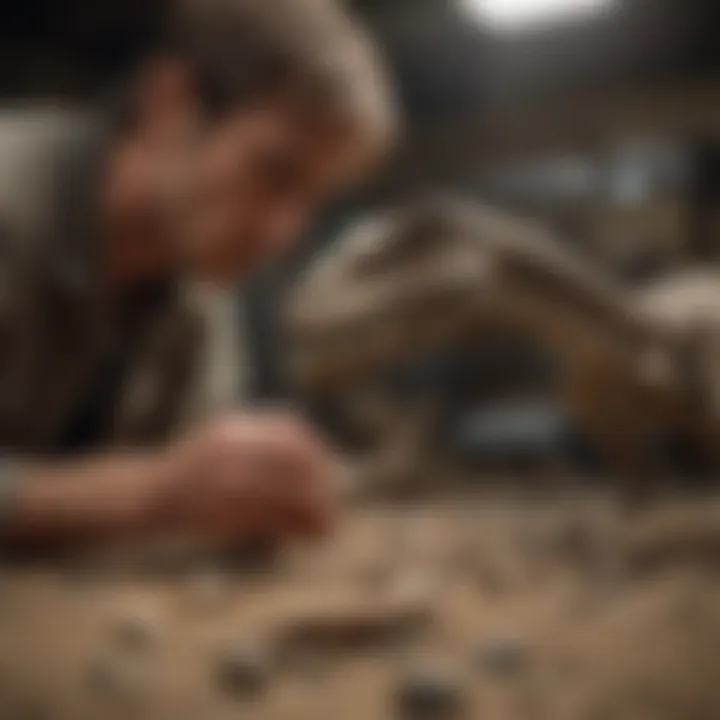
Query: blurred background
[601,118]
[598,118]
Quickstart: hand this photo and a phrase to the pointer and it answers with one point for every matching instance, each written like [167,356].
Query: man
[247,118]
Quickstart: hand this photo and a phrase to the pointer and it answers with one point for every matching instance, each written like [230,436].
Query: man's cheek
[210,243]
[283,226]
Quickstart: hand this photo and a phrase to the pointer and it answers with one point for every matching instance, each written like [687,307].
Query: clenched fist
[257,474]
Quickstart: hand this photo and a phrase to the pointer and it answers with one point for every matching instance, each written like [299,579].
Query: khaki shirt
[79,368]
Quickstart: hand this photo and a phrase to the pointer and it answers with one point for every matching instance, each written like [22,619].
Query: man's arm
[53,508]
[243,476]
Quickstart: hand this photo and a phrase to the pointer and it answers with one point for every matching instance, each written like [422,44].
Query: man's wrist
[66,506]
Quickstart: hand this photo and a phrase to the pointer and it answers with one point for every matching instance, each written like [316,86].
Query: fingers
[301,475]
[269,474]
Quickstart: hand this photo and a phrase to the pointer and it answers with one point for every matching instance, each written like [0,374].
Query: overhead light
[513,15]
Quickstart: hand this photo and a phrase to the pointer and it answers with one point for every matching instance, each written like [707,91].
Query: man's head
[253,114]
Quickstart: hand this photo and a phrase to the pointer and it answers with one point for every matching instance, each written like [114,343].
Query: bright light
[510,15]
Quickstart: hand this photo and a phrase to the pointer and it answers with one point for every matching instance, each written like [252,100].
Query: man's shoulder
[31,143]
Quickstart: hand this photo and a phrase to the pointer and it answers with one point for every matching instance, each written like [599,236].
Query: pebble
[134,632]
[504,656]
[354,628]
[209,589]
[243,672]
[464,559]
[309,665]
[428,695]
[112,678]
[490,579]
[377,577]
[257,558]
[577,543]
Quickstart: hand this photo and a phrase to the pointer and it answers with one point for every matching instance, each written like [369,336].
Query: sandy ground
[485,608]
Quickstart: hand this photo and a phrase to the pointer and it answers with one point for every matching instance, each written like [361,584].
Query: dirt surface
[512,610]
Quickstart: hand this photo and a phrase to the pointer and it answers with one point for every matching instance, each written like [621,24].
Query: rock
[243,672]
[577,543]
[208,590]
[259,557]
[430,695]
[490,579]
[504,656]
[112,679]
[377,577]
[464,559]
[307,666]
[673,539]
[352,628]
[134,632]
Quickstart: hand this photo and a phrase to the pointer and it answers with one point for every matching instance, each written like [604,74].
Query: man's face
[253,182]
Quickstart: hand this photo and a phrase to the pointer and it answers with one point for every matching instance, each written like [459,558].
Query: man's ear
[167,107]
